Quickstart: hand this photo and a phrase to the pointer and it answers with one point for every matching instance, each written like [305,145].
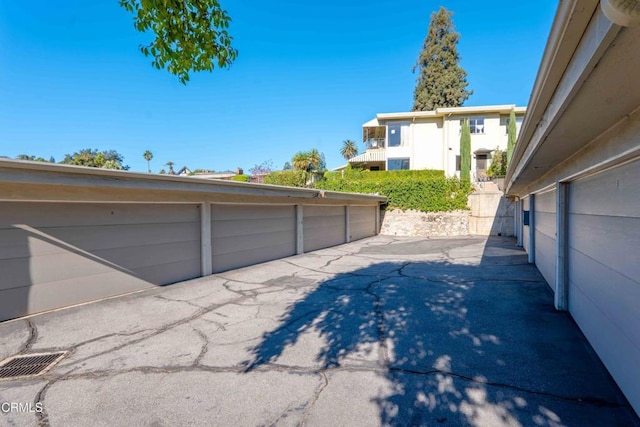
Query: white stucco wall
[427,152]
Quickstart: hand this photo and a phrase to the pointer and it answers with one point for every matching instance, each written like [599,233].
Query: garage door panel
[243,235]
[546,258]
[68,214]
[362,221]
[611,193]
[229,261]
[616,296]
[324,226]
[62,293]
[323,211]
[604,276]
[620,355]
[242,227]
[545,223]
[599,237]
[546,202]
[46,249]
[249,212]
[261,240]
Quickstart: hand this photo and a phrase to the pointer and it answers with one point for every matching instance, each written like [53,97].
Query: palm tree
[306,160]
[170,164]
[148,155]
[349,149]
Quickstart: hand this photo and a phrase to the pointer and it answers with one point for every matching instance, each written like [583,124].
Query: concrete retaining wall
[491,214]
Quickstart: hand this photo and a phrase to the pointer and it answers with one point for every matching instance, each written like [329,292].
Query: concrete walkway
[385,331]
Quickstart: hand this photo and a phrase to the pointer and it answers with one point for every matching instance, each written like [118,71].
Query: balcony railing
[375,143]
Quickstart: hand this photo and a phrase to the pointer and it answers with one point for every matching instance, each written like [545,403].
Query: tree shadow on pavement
[465,343]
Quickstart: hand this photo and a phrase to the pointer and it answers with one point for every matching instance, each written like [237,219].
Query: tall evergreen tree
[441,81]
[512,135]
[465,151]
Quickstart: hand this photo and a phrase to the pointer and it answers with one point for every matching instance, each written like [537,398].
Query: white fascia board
[569,25]
[481,109]
[596,39]
[441,112]
[408,115]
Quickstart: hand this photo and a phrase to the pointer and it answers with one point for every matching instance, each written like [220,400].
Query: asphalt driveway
[384,331]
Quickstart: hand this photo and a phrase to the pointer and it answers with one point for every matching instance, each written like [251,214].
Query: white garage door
[545,236]
[604,269]
[249,234]
[362,221]
[58,254]
[324,226]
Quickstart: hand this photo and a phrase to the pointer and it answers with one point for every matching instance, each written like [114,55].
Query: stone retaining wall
[424,224]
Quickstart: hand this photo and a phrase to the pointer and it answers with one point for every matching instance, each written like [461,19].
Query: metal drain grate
[27,365]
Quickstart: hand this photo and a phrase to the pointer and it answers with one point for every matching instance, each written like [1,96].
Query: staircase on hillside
[491,212]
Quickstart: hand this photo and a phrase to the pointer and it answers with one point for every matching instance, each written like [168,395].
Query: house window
[476,125]
[458,163]
[398,134]
[398,164]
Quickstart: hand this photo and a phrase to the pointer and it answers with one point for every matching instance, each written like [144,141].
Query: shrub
[289,178]
[498,166]
[240,178]
[424,190]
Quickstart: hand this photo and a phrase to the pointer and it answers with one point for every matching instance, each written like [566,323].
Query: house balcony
[375,144]
[374,137]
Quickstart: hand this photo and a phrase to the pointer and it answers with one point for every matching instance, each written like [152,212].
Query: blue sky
[307,76]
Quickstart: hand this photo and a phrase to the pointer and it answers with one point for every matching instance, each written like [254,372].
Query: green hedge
[240,178]
[288,178]
[367,175]
[426,190]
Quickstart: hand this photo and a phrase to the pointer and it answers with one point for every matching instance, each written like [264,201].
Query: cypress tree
[465,151]
[441,81]
[511,132]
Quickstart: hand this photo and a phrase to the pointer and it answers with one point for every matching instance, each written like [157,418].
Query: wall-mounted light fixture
[625,13]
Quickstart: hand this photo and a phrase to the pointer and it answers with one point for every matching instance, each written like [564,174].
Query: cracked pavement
[383,331]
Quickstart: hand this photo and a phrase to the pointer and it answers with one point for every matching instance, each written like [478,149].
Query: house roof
[25,180]
[369,156]
[441,112]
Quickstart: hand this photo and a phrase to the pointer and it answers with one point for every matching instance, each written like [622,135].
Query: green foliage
[307,160]
[289,178]
[465,151]
[441,81]
[107,159]
[190,35]
[241,178]
[498,167]
[34,158]
[352,174]
[512,136]
[287,166]
[424,190]
[349,149]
